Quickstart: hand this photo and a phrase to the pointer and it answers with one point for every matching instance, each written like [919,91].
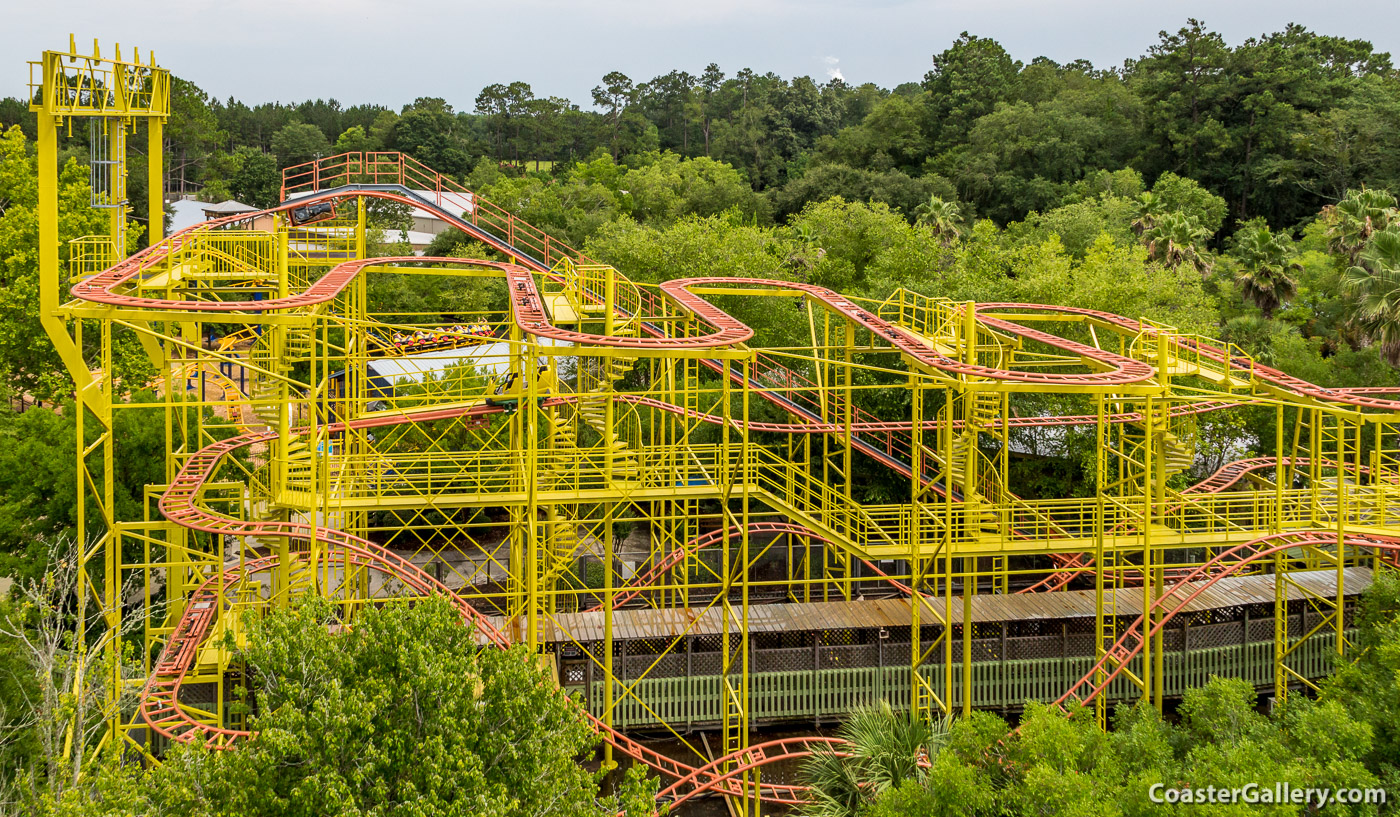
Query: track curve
[1189,586]
[159,700]
[1357,397]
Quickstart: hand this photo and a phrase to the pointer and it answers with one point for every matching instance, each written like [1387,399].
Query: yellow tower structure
[111,96]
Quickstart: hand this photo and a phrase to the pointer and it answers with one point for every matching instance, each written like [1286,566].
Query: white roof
[187,213]
[492,358]
[229,207]
[454,203]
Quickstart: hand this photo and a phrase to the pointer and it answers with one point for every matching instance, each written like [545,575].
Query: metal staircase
[561,524]
[1176,454]
[593,405]
[985,409]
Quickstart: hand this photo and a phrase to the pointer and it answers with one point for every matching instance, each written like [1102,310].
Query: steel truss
[585,442]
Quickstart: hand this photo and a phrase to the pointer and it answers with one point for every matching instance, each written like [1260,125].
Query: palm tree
[1352,221]
[1374,284]
[883,749]
[807,254]
[1176,239]
[1148,209]
[945,217]
[1267,262]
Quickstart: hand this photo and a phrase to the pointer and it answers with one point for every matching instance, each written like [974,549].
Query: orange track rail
[1182,593]
[159,700]
[1224,477]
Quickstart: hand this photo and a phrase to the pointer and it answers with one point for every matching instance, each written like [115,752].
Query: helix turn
[159,701]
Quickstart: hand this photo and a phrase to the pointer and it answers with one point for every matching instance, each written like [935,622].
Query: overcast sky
[391,51]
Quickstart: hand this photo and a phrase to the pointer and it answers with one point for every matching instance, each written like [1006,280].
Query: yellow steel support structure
[549,470]
[111,95]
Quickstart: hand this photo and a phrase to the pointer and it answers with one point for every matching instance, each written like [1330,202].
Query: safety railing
[1237,512]
[587,287]
[398,168]
[832,692]
[791,483]
[230,253]
[1155,346]
[89,255]
[1171,350]
[944,322]
[407,475]
[922,314]
[75,85]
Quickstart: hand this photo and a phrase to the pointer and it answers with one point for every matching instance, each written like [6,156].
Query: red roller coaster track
[159,700]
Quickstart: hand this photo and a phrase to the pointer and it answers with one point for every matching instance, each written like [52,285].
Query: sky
[392,51]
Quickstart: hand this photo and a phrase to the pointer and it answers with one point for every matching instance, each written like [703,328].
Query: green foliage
[19,690]
[430,132]
[1112,277]
[38,480]
[967,81]
[669,188]
[724,245]
[891,187]
[397,712]
[353,140]
[1079,224]
[570,210]
[255,179]
[882,751]
[193,136]
[945,218]
[1266,261]
[1373,284]
[1064,765]
[1025,156]
[691,247]
[404,707]
[28,360]
[855,236]
[299,142]
[1230,118]
[1176,194]
[1369,688]
[1178,240]
[1276,126]
[1351,222]
[1355,143]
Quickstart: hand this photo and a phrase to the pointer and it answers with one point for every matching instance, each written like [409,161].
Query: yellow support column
[155,181]
[535,561]
[137,91]
[1102,441]
[916,464]
[609,594]
[1152,478]
[969,590]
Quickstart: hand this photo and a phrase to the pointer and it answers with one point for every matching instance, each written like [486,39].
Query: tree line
[1278,125]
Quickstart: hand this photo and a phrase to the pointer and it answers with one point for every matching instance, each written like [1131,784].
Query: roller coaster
[629,479]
